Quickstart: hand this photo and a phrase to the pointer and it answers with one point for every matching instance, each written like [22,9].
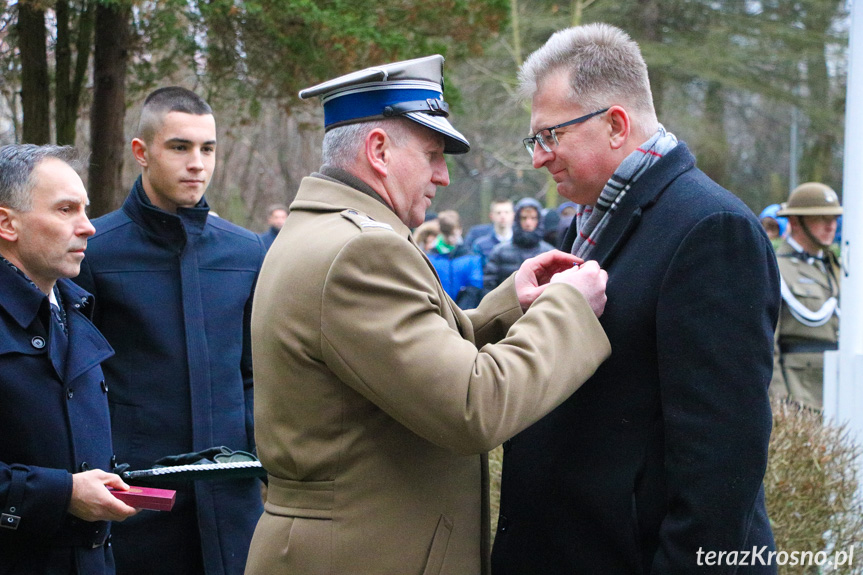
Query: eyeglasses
[547,137]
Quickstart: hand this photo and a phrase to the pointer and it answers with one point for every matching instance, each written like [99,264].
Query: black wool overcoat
[662,453]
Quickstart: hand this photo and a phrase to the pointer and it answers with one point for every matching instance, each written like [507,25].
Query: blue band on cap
[365,104]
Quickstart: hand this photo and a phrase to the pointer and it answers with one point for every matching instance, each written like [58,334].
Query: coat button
[104,386]
[70,392]
[38,342]
[502,524]
[84,466]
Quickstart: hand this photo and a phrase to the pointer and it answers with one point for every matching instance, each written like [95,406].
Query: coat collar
[163,227]
[641,197]
[328,195]
[827,277]
[23,303]
[19,298]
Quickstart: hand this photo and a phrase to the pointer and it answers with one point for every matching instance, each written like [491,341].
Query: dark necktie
[57,318]
[59,336]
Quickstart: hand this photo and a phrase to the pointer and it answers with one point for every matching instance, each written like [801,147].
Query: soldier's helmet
[812,199]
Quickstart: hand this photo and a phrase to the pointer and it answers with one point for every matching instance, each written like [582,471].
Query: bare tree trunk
[63,63]
[713,141]
[649,27]
[35,89]
[11,98]
[516,32]
[110,58]
[69,82]
[817,158]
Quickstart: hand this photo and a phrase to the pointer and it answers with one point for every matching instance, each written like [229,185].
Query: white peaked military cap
[411,89]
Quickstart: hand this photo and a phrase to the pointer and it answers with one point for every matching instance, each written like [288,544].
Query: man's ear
[620,126]
[377,151]
[139,151]
[8,224]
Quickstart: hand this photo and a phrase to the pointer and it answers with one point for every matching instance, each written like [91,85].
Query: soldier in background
[809,318]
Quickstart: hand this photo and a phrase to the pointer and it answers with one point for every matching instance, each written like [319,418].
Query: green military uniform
[808,324]
[809,319]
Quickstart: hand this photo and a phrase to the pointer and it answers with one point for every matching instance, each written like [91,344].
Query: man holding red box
[55,435]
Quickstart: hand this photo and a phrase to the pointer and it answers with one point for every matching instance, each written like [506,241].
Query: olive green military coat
[376,398]
[799,375]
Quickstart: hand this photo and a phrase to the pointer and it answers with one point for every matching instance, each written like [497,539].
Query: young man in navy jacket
[174,288]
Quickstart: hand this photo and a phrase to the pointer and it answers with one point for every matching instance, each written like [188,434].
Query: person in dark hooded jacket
[526,242]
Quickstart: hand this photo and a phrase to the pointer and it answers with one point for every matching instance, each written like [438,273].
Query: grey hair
[17,163]
[342,144]
[605,68]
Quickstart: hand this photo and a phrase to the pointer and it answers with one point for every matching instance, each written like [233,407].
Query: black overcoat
[53,422]
[663,451]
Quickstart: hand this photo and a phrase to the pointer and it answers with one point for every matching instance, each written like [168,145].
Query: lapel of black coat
[641,197]
[87,346]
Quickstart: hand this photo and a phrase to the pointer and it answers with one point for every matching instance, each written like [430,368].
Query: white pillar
[848,404]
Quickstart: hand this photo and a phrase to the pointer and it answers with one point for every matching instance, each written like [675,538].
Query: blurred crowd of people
[471,265]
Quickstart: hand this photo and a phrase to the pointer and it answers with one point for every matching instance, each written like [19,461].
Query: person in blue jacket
[774,226]
[502,215]
[276,216]
[55,435]
[174,295]
[459,269]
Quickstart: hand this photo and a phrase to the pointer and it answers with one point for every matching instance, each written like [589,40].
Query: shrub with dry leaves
[812,488]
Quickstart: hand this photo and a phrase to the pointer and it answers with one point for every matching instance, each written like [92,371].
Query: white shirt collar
[793,243]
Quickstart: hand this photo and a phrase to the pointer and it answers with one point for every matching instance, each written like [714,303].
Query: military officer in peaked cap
[809,318]
[376,398]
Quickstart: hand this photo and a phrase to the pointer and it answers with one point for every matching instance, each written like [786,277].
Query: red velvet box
[147,498]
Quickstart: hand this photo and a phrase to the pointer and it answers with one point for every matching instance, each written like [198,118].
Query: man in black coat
[55,435]
[656,464]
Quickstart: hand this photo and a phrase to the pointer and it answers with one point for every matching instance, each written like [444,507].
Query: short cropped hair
[605,68]
[276,207]
[449,222]
[164,100]
[17,163]
[342,144]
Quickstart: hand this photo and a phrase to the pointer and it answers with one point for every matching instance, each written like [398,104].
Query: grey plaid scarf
[591,220]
